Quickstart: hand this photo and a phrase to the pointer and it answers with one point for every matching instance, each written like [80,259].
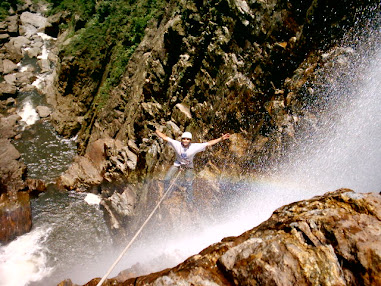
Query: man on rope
[185,152]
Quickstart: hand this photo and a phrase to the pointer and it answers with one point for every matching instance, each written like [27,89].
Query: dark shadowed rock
[332,239]
[15,215]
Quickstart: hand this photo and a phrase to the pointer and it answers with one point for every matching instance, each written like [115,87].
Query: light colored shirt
[185,155]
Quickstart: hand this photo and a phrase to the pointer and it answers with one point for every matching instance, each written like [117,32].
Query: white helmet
[186,135]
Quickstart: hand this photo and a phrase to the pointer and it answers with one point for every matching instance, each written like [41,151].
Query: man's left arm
[215,141]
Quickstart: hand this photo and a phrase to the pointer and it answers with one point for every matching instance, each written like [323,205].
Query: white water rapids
[347,154]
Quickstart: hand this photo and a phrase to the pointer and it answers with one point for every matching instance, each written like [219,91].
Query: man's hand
[225,136]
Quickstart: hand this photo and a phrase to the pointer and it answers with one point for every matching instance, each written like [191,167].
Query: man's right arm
[162,135]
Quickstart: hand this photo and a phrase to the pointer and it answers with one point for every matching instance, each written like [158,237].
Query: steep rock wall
[206,67]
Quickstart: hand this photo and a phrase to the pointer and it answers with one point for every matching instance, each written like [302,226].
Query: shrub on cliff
[105,34]
[5,5]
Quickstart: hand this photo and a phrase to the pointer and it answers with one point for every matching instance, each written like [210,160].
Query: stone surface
[12,170]
[7,89]
[245,73]
[15,216]
[332,239]
[43,111]
[8,66]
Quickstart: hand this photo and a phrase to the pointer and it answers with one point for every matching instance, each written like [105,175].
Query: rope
[138,232]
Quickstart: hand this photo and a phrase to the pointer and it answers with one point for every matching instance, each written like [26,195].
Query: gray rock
[12,52]
[33,52]
[19,42]
[34,19]
[7,89]
[12,23]
[7,126]
[43,111]
[8,66]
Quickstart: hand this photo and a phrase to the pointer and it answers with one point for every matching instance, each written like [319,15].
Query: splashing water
[24,259]
[347,152]
[28,114]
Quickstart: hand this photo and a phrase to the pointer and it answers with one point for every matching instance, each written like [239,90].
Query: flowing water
[69,238]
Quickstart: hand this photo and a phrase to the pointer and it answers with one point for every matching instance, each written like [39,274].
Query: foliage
[5,5]
[112,31]
[84,8]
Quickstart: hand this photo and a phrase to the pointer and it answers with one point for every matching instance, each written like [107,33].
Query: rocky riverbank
[25,37]
[327,240]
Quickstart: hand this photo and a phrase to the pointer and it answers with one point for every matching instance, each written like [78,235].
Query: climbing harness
[139,231]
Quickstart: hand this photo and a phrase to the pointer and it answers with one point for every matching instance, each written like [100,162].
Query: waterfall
[346,153]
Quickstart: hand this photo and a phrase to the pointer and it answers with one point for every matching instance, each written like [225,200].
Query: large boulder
[15,215]
[106,160]
[8,128]
[12,170]
[7,89]
[332,239]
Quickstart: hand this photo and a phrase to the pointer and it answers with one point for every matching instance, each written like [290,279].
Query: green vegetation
[5,5]
[107,32]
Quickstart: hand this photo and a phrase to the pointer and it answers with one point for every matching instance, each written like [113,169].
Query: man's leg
[169,176]
[189,177]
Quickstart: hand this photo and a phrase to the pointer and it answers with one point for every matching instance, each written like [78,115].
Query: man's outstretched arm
[215,141]
[162,135]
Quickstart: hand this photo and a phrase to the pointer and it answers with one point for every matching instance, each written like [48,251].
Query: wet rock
[7,89]
[107,159]
[15,216]
[35,185]
[181,114]
[43,111]
[12,170]
[82,174]
[332,239]
[31,23]
[118,210]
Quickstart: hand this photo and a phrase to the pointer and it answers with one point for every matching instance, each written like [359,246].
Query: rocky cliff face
[328,240]
[250,68]
[238,66]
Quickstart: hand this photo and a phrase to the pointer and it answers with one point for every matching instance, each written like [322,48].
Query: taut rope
[139,231]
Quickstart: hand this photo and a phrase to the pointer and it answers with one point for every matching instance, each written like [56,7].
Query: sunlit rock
[8,66]
[43,111]
[332,239]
